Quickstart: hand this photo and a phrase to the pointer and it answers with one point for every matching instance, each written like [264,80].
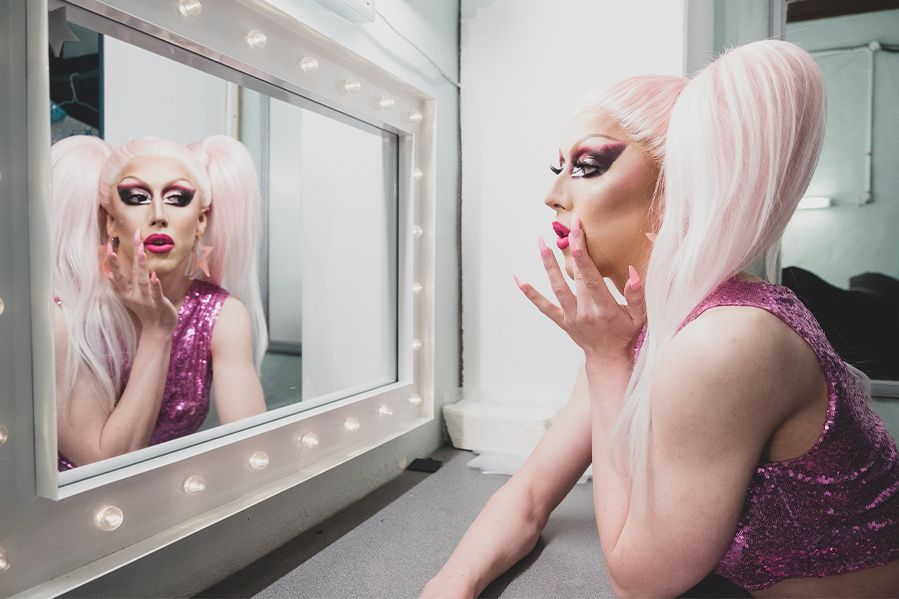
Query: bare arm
[238,393]
[509,525]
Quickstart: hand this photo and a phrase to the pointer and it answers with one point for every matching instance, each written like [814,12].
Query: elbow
[627,582]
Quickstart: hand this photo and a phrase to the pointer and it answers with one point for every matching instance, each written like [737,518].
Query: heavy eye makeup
[137,195]
[591,161]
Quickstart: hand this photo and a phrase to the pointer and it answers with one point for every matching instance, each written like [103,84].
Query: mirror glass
[841,255]
[264,276]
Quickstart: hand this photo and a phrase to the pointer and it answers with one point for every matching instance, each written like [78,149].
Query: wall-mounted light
[351,86]
[259,460]
[4,434]
[351,425]
[385,411]
[415,399]
[385,103]
[308,64]
[109,518]
[256,39]
[308,440]
[814,202]
[189,8]
[4,563]
[194,484]
[2,305]
[415,117]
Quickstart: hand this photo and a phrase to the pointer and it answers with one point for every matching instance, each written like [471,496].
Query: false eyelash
[556,169]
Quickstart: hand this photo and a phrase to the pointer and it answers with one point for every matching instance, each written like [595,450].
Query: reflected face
[608,180]
[157,196]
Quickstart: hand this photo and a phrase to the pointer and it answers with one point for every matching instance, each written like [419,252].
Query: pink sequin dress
[185,399]
[833,510]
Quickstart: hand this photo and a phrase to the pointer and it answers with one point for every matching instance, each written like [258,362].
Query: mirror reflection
[218,253]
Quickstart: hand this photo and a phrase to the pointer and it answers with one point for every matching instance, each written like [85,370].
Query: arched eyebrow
[178,182]
[589,136]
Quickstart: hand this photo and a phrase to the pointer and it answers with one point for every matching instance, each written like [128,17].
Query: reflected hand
[604,329]
[141,292]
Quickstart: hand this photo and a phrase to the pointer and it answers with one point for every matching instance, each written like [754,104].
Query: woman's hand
[604,329]
[142,293]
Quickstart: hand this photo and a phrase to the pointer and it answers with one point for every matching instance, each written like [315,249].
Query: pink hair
[83,172]
[742,144]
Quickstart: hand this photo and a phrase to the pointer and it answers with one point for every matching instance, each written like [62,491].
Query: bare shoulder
[233,322]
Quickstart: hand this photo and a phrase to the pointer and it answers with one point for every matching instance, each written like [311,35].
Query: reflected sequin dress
[185,399]
[833,510]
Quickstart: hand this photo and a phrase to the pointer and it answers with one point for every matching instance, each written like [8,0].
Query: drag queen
[156,289]
[725,433]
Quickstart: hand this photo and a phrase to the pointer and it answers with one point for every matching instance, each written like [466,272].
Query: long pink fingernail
[109,251]
[634,280]
[575,225]
[651,237]
[544,251]
[153,278]
[517,282]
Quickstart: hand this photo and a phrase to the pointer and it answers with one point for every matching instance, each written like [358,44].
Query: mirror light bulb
[351,86]
[109,518]
[256,39]
[415,399]
[2,305]
[259,460]
[351,424]
[416,288]
[385,102]
[417,231]
[415,117]
[4,563]
[189,8]
[4,434]
[416,344]
[417,174]
[385,411]
[309,64]
[194,484]
[309,440]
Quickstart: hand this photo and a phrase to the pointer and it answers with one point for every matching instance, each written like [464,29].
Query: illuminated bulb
[415,117]
[4,434]
[386,102]
[2,306]
[259,460]
[351,86]
[256,39]
[415,399]
[416,288]
[417,231]
[4,564]
[351,424]
[109,518]
[309,440]
[385,411]
[417,174]
[189,8]
[194,484]
[416,345]
[309,64]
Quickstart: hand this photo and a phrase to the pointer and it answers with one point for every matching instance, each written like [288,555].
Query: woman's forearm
[131,422]
[505,531]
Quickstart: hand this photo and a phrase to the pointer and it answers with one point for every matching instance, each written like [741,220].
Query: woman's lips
[562,231]
[158,243]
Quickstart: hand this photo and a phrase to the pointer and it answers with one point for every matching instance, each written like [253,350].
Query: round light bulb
[417,231]
[4,434]
[417,174]
[415,399]
[259,460]
[109,518]
[194,484]
[351,86]
[309,64]
[415,117]
[386,102]
[4,563]
[416,288]
[385,411]
[416,344]
[189,8]
[351,424]
[256,39]
[2,305]
[309,440]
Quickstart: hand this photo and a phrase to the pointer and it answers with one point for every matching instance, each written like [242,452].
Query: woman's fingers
[544,305]
[156,288]
[115,266]
[636,301]
[141,276]
[566,298]
[591,288]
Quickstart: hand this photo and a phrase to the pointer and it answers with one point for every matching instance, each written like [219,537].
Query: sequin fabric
[185,400]
[833,510]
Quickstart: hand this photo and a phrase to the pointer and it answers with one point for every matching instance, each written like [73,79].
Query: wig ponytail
[742,144]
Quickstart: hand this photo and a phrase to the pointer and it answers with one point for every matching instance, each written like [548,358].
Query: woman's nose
[557,199]
[157,216]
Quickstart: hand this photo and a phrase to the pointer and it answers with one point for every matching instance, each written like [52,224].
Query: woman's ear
[203,220]
[111,230]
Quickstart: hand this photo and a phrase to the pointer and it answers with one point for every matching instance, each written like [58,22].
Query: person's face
[157,196]
[609,182]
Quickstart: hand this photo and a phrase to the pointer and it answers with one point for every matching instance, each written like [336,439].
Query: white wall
[525,66]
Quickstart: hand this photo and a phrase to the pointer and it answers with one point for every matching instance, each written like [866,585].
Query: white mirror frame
[52,538]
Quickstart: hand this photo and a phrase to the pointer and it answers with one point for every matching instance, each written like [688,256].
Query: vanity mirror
[330,256]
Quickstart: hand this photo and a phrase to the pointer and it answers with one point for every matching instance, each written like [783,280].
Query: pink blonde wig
[83,172]
[742,144]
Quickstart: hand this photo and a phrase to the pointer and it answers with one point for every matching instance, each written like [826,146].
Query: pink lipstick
[562,231]
[158,243]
